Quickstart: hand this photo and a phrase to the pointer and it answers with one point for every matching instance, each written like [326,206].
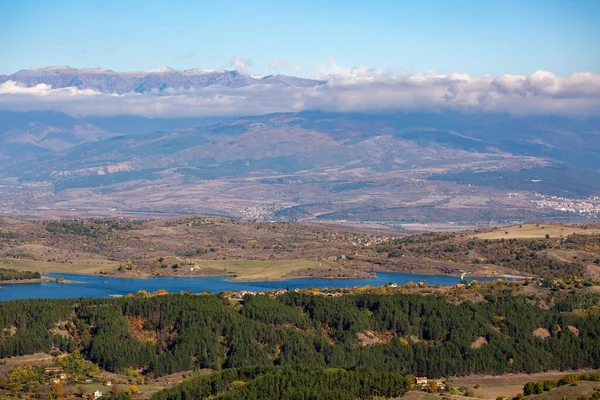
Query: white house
[97,394]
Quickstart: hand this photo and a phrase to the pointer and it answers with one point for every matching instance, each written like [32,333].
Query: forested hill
[289,383]
[399,333]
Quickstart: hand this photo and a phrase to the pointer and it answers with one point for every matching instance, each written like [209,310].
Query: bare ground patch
[8,364]
[368,338]
[542,333]
[61,329]
[574,330]
[479,343]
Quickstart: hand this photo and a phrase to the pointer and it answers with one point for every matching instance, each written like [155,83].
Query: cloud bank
[348,90]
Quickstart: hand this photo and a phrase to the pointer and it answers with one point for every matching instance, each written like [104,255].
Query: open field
[39,359]
[535,231]
[419,395]
[492,387]
[255,270]
[43,267]
[569,392]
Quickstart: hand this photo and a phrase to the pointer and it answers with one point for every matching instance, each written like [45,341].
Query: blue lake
[102,286]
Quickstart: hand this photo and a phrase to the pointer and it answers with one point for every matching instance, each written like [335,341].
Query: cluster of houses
[242,293]
[58,372]
[328,292]
[60,376]
[423,383]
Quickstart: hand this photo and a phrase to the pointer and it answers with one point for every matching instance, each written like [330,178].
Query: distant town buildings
[584,207]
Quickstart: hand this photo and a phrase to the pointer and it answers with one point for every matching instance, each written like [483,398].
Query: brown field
[535,231]
[240,270]
[8,364]
[256,270]
[504,387]
[418,395]
[76,267]
[569,392]
[492,387]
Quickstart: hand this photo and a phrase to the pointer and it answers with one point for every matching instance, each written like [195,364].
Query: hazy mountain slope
[26,134]
[438,166]
[23,134]
[309,140]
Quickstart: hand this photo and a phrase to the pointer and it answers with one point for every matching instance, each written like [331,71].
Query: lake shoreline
[43,279]
[96,286]
[25,281]
[367,275]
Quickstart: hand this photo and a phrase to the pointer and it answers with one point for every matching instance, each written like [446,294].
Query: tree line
[287,383]
[13,274]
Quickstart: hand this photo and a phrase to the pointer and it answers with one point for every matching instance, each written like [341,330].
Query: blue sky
[473,37]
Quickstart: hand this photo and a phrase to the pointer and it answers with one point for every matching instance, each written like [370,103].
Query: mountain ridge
[157,80]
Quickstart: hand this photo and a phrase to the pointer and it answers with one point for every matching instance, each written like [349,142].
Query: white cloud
[240,63]
[337,75]
[360,89]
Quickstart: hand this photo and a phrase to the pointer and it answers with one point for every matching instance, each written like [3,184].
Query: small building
[108,383]
[97,394]
[53,369]
[422,380]
[55,380]
[62,376]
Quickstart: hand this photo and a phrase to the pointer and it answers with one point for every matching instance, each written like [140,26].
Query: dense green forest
[12,274]
[421,335]
[285,383]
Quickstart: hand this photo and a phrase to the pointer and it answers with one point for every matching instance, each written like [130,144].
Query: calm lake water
[101,286]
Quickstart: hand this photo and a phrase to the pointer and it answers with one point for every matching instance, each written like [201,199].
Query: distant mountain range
[409,167]
[155,81]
